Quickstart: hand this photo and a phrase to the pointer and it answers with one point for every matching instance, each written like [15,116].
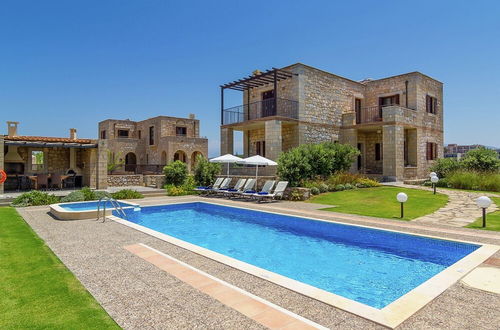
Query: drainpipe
[406,93]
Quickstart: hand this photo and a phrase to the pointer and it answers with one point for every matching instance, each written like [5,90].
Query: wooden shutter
[428,151]
[434,105]
[427,103]
[434,151]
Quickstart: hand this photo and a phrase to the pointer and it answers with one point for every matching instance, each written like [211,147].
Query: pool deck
[139,294]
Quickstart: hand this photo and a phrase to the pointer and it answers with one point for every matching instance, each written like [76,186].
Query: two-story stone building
[148,145]
[395,122]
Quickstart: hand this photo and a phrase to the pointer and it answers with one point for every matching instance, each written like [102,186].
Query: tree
[482,160]
[176,173]
[205,172]
[114,161]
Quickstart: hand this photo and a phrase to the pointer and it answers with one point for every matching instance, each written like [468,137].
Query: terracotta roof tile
[48,139]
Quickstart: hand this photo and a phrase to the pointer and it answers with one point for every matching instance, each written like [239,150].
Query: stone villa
[148,145]
[395,122]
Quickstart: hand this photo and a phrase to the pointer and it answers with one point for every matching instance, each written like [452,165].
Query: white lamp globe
[483,202]
[434,179]
[402,197]
[432,174]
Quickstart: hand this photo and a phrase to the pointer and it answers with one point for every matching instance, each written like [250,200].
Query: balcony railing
[261,109]
[144,169]
[369,114]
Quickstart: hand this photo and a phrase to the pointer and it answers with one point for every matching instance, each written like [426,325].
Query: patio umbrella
[257,161]
[228,159]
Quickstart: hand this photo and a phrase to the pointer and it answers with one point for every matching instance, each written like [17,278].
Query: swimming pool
[371,266]
[85,210]
[91,205]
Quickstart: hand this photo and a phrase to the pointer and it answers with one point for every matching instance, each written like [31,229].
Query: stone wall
[157,181]
[122,180]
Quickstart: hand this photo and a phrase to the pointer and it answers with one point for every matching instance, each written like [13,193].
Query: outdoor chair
[56,181]
[70,182]
[249,186]
[42,181]
[266,188]
[237,187]
[276,194]
[214,186]
[223,187]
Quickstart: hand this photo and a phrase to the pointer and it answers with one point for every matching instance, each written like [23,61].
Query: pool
[371,266]
[85,210]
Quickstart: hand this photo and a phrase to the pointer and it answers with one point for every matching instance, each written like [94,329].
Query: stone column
[393,152]
[102,165]
[246,151]
[273,139]
[92,171]
[226,141]
[2,167]
[350,136]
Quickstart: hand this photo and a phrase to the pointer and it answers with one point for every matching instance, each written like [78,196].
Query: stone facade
[387,119]
[150,144]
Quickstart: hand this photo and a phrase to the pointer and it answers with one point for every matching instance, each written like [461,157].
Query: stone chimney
[72,133]
[192,116]
[12,128]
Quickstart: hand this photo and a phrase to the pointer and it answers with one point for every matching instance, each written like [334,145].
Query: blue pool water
[371,266]
[89,206]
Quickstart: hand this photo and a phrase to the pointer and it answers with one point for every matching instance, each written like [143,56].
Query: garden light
[432,174]
[483,202]
[434,180]
[402,198]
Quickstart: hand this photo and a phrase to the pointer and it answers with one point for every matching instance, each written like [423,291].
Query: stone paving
[460,210]
[138,295]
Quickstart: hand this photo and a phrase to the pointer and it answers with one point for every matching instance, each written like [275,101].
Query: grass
[492,219]
[37,290]
[381,202]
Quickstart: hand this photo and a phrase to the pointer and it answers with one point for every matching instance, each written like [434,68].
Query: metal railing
[114,203]
[144,169]
[265,108]
[369,114]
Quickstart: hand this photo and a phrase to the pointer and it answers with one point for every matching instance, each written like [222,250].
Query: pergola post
[221,105]
[275,92]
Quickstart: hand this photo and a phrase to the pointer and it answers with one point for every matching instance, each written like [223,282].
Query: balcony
[261,109]
[378,113]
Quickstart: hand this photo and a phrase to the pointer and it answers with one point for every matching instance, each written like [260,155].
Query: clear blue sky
[73,63]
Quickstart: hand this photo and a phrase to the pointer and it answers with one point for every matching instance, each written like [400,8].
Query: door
[268,104]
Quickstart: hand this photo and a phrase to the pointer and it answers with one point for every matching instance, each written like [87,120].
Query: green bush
[315,191]
[176,173]
[101,194]
[34,198]
[75,196]
[481,160]
[445,166]
[127,194]
[474,180]
[187,188]
[205,172]
[348,186]
[339,187]
[309,161]
[331,187]
[323,187]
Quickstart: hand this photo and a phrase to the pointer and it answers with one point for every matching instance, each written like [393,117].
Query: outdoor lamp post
[434,180]
[402,198]
[483,202]
[432,174]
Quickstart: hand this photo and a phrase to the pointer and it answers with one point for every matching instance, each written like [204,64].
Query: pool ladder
[114,203]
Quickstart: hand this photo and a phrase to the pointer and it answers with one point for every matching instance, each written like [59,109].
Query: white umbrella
[257,161]
[228,159]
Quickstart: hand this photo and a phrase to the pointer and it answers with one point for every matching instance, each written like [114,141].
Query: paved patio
[138,294]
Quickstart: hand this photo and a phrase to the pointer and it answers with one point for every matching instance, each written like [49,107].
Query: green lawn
[492,219]
[381,202]
[36,290]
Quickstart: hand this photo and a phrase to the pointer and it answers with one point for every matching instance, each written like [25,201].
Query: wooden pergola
[257,80]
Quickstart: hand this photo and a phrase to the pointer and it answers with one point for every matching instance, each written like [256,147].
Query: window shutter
[427,147]
[427,103]
[396,99]
[434,147]
[435,105]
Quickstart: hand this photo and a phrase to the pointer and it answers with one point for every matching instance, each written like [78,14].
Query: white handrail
[114,204]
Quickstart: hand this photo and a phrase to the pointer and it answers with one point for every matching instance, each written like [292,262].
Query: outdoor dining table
[34,179]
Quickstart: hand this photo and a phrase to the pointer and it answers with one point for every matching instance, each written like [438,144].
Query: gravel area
[140,296]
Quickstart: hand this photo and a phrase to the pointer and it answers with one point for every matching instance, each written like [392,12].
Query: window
[431,151]
[103,134]
[357,109]
[151,135]
[139,133]
[388,100]
[181,131]
[378,151]
[430,104]
[37,160]
[260,148]
[123,133]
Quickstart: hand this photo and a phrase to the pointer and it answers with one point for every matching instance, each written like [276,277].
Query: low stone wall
[122,180]
[154,180]
[297,194]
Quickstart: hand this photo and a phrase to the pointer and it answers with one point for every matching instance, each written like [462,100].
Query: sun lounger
[238,186]
[249,185]
[223,186]
[214,186]
[268,185]
[277,193]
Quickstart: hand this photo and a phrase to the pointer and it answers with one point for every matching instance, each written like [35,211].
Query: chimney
[72,133]
[12,128]
[191,116]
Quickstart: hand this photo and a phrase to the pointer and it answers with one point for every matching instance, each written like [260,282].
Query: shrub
[127,194]
[205,172]
[348,186]
[323,187]
[34,198]
[331,187]
[444,166]
[175,173]
[296,195]
[339,187]
[315,191]
[101,194]
[310,161]
[173,190]
[482,160]
[368,183]
[75,196]
[474,180]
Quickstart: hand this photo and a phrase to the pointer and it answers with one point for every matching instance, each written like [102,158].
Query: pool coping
[390,316]
[63,214]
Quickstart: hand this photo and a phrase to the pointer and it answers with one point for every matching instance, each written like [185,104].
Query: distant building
[457,151]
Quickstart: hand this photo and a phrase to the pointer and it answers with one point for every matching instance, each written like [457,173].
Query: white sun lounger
[249,185]
[214,186]
[266,188]
[277,193]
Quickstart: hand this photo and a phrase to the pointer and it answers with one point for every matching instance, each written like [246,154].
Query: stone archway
[130,162]
[194,158]
[180,155]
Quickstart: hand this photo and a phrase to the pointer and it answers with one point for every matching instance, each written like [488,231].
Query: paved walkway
[460,210]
